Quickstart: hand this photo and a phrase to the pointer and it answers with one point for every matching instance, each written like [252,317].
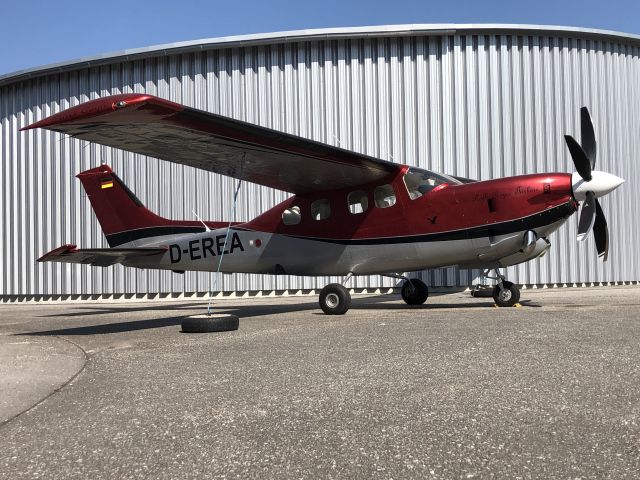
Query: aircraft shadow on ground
[94,310]
[381,302]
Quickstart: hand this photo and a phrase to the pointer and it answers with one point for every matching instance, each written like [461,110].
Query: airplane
[350,214]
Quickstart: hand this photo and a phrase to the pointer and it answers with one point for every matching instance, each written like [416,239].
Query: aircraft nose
[601,183]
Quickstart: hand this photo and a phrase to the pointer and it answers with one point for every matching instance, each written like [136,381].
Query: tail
[123,217]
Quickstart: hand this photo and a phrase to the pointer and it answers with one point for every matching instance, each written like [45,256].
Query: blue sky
[36,33]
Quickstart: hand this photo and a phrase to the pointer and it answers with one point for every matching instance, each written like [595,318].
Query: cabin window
[384,196]
[320,209]
[419,182]
[291,216]
[358,202]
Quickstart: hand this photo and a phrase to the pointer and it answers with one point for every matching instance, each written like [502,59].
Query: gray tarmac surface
[453,389]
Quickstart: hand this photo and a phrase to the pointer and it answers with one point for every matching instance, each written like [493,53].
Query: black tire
[210,323]
[508,297]
[335,299]
[414,292]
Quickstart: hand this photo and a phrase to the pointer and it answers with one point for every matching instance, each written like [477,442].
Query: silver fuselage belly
[246,251]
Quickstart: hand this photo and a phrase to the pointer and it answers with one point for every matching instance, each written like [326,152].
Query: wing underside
[158,128]
[99,257]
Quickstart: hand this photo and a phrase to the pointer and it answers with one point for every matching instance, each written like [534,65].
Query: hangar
[476,101]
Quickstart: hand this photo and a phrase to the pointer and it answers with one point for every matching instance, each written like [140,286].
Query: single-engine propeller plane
[350,214]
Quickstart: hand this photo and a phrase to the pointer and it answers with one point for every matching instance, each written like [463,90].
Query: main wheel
[335,299]
[508,296]
[414,292]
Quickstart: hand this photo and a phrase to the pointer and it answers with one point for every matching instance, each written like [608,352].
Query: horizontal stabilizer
[100,257]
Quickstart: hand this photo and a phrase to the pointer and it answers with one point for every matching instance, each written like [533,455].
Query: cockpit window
[419,182]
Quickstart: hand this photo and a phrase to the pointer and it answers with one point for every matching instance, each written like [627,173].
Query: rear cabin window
[320,209]
[358,202]
[291,216]
[419,182]
[384,196]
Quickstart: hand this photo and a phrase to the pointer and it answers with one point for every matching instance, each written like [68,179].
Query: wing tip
[98,107]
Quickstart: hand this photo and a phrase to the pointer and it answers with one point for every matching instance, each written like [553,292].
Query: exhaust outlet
[529,242]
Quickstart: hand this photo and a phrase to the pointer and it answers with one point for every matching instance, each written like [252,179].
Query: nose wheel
[505,293]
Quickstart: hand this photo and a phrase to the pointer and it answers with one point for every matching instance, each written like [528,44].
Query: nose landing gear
[505,293]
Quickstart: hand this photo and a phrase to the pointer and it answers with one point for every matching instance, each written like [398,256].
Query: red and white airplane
[350,214]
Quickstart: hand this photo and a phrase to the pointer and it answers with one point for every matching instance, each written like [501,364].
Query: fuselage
[393,226]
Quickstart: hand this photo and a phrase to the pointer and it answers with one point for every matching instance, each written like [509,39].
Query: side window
[384,196]
[320,209]
[358,202]
[291,216]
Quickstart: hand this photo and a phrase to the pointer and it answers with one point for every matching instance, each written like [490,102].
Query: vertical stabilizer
[123,217]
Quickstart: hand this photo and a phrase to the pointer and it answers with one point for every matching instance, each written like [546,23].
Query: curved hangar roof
[315,35]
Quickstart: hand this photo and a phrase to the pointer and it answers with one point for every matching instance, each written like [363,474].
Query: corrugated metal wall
[479,106]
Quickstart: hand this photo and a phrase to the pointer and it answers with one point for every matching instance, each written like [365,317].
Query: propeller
[587,216]
[590,185]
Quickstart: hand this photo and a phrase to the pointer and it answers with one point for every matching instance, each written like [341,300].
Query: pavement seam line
[70,380]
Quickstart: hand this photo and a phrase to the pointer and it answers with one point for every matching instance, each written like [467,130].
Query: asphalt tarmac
[453,389]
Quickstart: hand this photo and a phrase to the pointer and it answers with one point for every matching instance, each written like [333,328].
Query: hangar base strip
[349,214]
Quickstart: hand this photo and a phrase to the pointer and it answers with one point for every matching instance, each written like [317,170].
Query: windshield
[419,182]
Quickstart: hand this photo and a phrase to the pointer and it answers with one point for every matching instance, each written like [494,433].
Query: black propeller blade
[601,233]
[580,159]
[588,136]
[587,216]
[584,159]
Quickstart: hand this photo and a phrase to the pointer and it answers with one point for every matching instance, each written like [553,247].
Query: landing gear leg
[414,291]
[505,293]
[335,299]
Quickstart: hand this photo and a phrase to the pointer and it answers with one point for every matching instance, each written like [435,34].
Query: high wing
[166,130]
[100,257]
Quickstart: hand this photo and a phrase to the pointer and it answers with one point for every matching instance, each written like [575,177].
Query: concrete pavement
[454,389]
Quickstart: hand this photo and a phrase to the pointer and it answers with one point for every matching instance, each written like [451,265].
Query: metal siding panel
[481,106]
[5,197]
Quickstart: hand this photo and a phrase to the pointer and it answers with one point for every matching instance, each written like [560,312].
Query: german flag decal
[106,183]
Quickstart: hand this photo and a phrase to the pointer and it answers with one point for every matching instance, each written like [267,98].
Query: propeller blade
[587,216]
[580,159]
[588,136]
[601,233]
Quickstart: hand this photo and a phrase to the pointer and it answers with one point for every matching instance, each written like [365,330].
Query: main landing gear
[335,299]
[505,293]
[414,291]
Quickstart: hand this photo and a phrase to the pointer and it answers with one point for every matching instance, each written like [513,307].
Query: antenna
[207,229]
